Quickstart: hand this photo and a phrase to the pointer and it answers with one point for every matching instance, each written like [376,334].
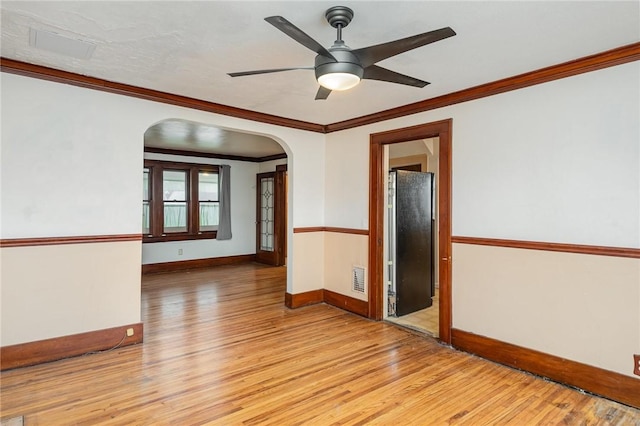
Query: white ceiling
[187,48]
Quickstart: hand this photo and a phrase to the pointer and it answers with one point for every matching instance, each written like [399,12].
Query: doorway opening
[410,238]
[186,219]
[378,204]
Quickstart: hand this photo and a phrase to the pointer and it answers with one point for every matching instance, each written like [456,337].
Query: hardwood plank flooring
[221,348]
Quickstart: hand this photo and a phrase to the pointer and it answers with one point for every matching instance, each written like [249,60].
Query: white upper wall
[561,164]
[556,162]
[70,160]
[55,137]
[347,180]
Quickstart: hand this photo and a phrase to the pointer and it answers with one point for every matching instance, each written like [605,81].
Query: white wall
[71,162]
[557,162]
[553,162]
[103,124]
[70,167]
[347,179]
[560,163]
[243,217]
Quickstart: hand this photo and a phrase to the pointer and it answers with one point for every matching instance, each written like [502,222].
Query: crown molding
[65,77]
[609,58]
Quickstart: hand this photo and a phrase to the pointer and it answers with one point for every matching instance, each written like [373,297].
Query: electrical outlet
[636,365]
[179,252]
[129,332]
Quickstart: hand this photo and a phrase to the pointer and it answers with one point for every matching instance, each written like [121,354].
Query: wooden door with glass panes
[270,228]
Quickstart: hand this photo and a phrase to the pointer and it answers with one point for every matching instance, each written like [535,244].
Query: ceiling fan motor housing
[347,62]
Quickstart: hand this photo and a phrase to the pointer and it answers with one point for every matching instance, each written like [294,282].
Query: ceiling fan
[341,68]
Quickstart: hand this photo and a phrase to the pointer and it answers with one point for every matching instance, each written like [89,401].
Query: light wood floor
[221,348]
[424,321]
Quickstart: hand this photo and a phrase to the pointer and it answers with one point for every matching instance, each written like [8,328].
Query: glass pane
[175,217]
[266,214]
[145,217]
[208,216]
[145,184]
[174,185]
[207,186]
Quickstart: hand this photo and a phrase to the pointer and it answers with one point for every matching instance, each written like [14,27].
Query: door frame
[442,130]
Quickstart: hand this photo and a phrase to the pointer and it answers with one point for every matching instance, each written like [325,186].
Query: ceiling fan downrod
[339,17]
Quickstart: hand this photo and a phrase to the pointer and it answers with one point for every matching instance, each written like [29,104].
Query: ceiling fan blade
[374,72]
[372,54]
[298,35]
[243,73]
[323,93]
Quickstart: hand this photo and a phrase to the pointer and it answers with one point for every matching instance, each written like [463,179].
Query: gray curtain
[224,222]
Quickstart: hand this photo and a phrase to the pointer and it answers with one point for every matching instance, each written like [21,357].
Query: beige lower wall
[59,290]
[581,307]
[325,260]
[308,264]
[342,253]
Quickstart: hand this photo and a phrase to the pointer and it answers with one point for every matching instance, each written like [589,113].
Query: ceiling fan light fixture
[338,81]
[338,75]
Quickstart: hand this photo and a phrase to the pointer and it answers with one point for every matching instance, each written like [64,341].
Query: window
[179,201]
[174,200]
[208,200]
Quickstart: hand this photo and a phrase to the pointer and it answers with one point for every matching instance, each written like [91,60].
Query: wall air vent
[358,277]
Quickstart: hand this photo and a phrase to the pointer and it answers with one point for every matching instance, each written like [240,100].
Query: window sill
[180,237]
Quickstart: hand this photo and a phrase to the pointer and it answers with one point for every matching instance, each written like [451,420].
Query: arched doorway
[178,144]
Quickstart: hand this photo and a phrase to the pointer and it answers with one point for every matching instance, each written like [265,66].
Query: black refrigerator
[411,283]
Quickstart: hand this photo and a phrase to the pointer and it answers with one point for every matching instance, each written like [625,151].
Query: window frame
[156,202]
[147,200]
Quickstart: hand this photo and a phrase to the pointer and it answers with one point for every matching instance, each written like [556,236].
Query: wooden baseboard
[353,231]
[41,351]
[608,384]
[154,268]
[329,297]
[347,303]
[293,301]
